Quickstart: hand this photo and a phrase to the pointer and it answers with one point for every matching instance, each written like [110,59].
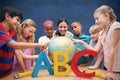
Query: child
[94,32]
[10,20]
[109,39]
[76,28]
[25,34]
[49,29]
[62,29]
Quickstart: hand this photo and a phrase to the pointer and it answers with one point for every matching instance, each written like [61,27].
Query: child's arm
[114,41]
[97,63]
[19,57]
[113,47]
[96,48]
[88,62]
[33,53]
[22,45]
[29,57]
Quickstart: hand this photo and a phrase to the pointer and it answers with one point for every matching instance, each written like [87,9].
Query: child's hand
[43,46]
[84,65]
[92,67]
[111,76]
[76,41]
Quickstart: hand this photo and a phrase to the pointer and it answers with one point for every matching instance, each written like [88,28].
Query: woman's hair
[107,9]
[59,21]
[94,29]
[27,23]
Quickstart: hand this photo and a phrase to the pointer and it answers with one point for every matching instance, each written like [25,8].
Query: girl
[49,29]
[109,39]
[25,33]
[62,29]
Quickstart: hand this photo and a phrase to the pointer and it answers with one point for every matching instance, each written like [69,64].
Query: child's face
[94,36]
[62,28]
[14,22]
[28,31]
[49,30]
[76,28]
[101,19]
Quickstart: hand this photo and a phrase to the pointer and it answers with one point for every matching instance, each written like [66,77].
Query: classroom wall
[72,10]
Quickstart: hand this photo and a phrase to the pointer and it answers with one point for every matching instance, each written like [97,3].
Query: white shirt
[45,39]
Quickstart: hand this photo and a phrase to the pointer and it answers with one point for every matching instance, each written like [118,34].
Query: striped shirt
[6,53]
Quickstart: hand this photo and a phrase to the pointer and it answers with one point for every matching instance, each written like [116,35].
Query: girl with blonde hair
[25,33]
[109,40]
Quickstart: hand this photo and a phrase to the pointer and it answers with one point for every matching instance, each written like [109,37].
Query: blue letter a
[42,57]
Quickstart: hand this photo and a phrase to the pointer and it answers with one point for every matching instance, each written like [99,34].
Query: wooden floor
[44,75]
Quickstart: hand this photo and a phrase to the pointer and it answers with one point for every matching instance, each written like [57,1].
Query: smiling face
[100,19]
[62,28]
[94,36]
[104,16]
[13,22]
[94,32]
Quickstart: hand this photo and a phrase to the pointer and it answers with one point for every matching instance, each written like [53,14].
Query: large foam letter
[38,66]
[56,56]
[75,60]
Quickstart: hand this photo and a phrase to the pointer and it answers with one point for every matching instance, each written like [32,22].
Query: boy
[10,19]
[76,28]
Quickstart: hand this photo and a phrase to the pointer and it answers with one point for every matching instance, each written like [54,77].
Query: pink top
[27,63]
[106,49]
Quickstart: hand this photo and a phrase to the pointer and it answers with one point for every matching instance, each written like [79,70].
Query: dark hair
[62,20]
[11,11]
[59,21]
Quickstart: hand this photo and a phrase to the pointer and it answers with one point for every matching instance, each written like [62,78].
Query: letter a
[42,57]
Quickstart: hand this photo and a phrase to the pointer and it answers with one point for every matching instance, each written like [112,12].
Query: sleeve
[69,34]
[39,40]
[89,39]
[4,38]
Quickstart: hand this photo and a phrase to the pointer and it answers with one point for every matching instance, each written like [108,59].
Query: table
[44,75]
